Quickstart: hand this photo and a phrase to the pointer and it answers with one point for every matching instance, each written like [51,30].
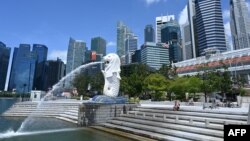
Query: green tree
[96,81]
[133,76]
[165,70]
[223,82]
[194,85]
[81,83]
[157,84]
[179,87]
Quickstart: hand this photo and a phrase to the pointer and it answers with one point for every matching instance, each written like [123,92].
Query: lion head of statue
[112,65]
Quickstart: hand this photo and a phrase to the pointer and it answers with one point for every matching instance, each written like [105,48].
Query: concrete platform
[190,123]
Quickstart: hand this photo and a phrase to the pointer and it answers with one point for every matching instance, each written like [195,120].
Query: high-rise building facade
[191,22]
[130,47]
[75,58]
[4,63]
[149,34]
[136,57]
[98,44]
[75,55]
[171,36]
[122,32]
[42,52]
[155,55]
[209,26]
[87,56]
[187,42]
[23,69]
[240,24]
[159,22]
[54,71]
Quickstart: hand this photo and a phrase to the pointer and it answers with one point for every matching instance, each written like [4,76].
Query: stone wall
[96,113]
[244,101]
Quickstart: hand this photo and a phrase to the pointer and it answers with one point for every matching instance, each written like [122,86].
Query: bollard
[207,122]
[164,117]
[153,115]
[176,118]
[144,115]
[225,123]
[191,121]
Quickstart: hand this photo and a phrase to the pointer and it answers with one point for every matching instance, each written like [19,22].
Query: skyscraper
[130,47]
[149,34]
[23,69]
[187,42]
[122,32]
[98,44]
[41,51]
[154,55]
[75,57]
[136,57]
[240,24]
[171,35]
[191,22]
[209,26]
[121,35]
[159,22]
[4,62]
[54,71]
[87,57]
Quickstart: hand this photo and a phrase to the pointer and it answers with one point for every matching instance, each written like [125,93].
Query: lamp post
[204,85]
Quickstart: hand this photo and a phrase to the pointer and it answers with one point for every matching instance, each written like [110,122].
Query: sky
[53,22]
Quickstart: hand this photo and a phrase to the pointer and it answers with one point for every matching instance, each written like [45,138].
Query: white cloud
[226,14]
[62,54]
[227,29]
[183,16]
[149,2]
[111,44]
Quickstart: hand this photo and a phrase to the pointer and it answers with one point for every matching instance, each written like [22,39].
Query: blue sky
[52,22]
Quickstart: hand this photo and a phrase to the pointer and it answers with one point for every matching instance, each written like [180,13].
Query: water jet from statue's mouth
[106,62]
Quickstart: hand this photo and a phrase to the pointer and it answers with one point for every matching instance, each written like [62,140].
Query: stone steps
[174,116]
[122,133]
[63,111]
[198,130]
[69,116]
[148,134]
[197,114]
[66,119]
[198,109]
[179,122]
[71,113]
[166,131]
[184,124]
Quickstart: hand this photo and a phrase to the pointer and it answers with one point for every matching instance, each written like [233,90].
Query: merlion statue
[111,75]
[112,79]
